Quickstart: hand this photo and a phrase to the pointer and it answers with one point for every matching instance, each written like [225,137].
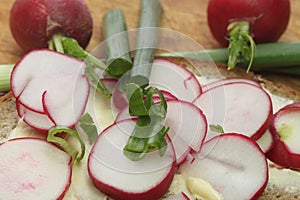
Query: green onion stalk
[279,57]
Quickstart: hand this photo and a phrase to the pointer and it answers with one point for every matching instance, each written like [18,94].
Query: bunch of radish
[218,132]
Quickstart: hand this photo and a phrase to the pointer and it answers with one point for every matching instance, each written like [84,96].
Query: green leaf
[87,124]
[216,128]
[62,142]
[72,48]
[135,95]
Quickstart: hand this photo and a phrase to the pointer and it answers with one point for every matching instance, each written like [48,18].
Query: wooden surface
[187,17]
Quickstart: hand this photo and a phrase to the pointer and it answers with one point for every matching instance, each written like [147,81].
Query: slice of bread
[283,183]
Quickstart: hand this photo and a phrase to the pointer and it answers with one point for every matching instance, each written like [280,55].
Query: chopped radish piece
[233,164]
[50,84]
[188,127]
[120,178]
[176,79]
[228,80]
[266,141]
[237,107]
[33,169]
[285,129]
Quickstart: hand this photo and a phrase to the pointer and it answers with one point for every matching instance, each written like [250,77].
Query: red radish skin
[285,131]
[228,80]
[269,18]
[233,164]
[34,22]
[120,178]
[28,172]
[43,83]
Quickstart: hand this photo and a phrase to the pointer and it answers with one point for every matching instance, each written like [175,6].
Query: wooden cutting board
[187,17]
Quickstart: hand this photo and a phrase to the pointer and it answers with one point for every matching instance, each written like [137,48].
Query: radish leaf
[88,126]
[61,142]
[216,128]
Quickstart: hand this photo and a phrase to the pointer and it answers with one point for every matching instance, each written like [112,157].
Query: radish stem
[240,43]
[279,55]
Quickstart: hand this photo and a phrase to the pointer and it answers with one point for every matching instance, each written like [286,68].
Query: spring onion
[279,55]
[116,43]
[5,72]
[149,132]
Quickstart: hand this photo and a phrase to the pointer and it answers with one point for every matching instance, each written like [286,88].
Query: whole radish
[33,23]
[258,21]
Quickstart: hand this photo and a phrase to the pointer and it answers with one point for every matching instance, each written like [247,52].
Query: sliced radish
[120,178]
[33,169]
[233,164]
[285,129]
[188,127]
[176,79]
[51,84]
[229,80]
[31,117]
[188,122]
[266,141]
[238,107]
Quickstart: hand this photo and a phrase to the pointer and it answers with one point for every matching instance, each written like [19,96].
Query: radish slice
[238,107]
[266,141]
[120,178]
[228,80]
[176,79]
[233,164]
[188,127]
[188,122]
[33,169]
[39,120]
[285,129]
[52,84]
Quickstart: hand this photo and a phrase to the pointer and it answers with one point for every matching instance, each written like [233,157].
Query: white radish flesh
[120,178]
[188,122]
[266,141]
[33,169]
[233,164]
[237,107]
[285,129]
[51,84]
[176,79]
